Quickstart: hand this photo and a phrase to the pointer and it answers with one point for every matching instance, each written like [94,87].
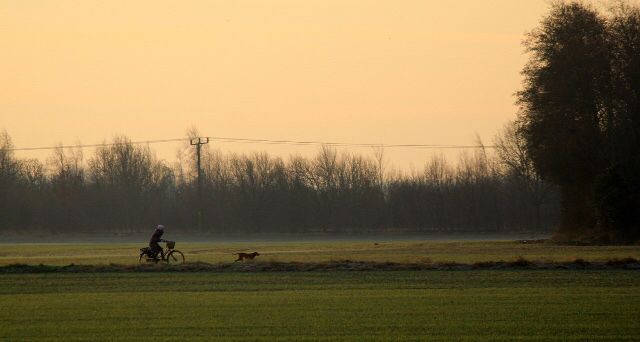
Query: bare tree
[378,153]
[516,164]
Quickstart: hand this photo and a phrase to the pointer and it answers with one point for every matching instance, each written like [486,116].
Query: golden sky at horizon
[390,72]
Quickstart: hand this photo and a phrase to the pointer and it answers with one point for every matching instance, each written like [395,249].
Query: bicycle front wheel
[175,257]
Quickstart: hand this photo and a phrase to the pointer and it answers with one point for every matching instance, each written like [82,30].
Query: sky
[391,72]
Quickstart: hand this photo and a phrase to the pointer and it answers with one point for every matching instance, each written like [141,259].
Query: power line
[95,145]
[261,141]
[340,144]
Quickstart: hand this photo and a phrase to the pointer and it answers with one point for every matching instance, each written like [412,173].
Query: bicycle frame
[163,255]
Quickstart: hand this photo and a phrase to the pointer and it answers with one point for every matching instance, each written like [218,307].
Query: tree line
[570,161]
[124,188]
[580,117]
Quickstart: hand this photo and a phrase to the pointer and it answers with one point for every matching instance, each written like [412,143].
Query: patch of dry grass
[466,252]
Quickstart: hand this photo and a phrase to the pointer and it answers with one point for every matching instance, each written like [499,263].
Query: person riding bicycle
[155,238]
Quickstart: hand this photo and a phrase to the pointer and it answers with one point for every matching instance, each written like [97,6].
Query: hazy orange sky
[435,72]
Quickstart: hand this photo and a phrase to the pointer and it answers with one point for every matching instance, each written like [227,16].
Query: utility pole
[198,142]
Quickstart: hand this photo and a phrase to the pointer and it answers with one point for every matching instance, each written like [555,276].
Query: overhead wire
[94,145]
[311,142]
[260,141]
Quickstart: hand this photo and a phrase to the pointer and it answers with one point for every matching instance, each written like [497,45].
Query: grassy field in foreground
[397,251]
[434,305]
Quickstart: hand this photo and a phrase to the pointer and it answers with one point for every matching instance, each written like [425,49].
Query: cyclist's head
[160,227]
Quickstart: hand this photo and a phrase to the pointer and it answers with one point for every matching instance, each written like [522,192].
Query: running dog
[249,256]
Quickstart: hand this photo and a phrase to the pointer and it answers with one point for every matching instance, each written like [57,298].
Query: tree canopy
[580,116]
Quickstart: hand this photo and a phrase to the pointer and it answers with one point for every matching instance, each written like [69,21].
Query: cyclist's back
[156,238]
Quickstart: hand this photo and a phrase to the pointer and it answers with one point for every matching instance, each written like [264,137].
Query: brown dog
[250,256]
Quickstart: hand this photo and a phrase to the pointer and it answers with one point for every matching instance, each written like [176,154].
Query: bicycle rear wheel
[175,257]
[143,258]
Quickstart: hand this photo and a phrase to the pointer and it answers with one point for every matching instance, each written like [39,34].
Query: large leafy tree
[577,106]
[618,186]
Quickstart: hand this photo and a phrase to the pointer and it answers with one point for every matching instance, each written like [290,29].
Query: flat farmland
[434,305]
[317,251]
[557,305]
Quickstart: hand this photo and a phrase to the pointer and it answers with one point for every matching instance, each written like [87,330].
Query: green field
[331,306]
[319,251]
[503,305]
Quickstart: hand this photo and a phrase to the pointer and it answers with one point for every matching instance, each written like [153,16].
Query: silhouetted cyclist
[155,238]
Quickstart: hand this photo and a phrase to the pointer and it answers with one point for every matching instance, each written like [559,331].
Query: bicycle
[170,255]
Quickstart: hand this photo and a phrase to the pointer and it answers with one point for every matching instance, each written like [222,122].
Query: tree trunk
[578,212]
